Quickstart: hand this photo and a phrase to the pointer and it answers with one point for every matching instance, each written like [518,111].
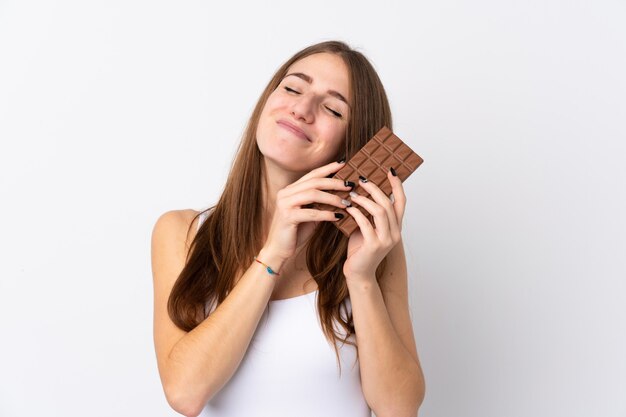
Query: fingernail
[353,194]
[338,215]
[349,184]
[346,203]
[341,161]
[362,178]
[393,171]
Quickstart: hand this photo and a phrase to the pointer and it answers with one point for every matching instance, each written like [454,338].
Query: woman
[250,306]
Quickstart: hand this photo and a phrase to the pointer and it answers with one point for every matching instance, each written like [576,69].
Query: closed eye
[335,113]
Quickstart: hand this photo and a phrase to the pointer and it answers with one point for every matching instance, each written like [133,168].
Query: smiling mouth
[293,130]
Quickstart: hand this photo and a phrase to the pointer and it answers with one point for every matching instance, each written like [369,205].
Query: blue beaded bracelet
[267,267]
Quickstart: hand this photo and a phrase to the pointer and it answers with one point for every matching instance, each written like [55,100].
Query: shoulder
[170,243]
[177,219]
[178,226]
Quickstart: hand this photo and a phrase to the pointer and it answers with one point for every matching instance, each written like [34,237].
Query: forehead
[328,71]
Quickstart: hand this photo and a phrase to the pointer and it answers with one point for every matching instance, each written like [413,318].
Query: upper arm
[168,252]
[394,287]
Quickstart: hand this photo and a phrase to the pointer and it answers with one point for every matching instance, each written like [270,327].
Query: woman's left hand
[368,245]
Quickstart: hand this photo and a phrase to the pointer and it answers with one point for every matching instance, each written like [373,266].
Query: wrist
[361,281]
[271,259]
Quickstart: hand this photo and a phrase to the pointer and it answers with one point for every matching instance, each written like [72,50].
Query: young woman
[260,300]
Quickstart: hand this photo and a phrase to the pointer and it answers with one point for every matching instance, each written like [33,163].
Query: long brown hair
[219,250]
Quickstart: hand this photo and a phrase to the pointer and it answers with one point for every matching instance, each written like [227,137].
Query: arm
[391,375]
[195,365]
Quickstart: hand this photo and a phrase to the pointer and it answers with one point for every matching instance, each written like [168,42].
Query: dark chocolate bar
[383,151]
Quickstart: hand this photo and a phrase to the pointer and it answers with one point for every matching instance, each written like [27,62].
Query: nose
[302,108]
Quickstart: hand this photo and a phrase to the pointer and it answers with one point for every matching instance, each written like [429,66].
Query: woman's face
[303,123]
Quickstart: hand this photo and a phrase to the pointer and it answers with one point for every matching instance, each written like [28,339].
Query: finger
[315,196]
[369,234]
[322,171]
[317,183]
[381,219]
[381,198]
[313,215]
[399,197]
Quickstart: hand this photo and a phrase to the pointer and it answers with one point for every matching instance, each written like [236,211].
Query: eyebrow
[309,80]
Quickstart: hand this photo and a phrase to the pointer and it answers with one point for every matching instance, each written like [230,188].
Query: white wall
[113,112]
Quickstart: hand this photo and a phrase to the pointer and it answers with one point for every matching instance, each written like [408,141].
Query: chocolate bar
[372,161]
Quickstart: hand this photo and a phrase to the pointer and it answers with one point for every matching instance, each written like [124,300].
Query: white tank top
[290,369]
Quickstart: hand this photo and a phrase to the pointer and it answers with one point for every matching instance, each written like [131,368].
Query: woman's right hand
[292,225]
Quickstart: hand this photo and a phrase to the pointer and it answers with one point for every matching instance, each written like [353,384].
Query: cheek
[270,106]
[335,141]
[339,136]
[274,101]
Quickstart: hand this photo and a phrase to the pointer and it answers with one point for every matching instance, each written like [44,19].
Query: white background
[113,112]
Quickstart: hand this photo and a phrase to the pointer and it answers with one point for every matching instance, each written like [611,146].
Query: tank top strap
[202,217]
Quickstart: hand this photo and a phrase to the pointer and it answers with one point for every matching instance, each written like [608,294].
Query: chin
[287,164]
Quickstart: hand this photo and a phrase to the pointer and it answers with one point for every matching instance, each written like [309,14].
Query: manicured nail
[341,161]
[349,184]
[393,171]
[346,203]
[362,178]
[338,215]
[353,194]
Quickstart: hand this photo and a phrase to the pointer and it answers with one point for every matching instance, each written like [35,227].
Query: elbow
[408,409]
[420,399]
[184,393]
[421,390]
[183,402]
[404,402]
[398,410]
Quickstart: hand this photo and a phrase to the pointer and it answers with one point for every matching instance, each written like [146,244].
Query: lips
[294,129]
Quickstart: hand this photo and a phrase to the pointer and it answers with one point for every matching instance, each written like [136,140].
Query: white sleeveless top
[290,369]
